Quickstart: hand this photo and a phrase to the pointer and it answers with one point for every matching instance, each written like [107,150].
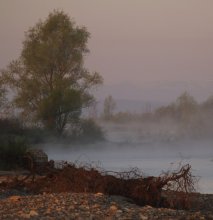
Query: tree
[49,79]
[109,107]
[208,104]
[3,99]
[186,106]
[168,111]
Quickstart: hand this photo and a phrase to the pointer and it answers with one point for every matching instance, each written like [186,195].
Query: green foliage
[13,143]
[54,117]
[87,130]
[2,96]
[91,130]
[50,82]
[12,149]
[11,127]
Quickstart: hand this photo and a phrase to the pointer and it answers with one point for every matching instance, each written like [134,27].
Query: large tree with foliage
[50,82]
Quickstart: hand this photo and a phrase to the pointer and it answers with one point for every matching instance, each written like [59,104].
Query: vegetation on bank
[46,89]
[44,92]
[16,139]
[49,83]
[13,143]
[184,117]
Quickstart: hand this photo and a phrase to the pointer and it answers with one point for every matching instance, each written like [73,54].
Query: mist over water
[129,145]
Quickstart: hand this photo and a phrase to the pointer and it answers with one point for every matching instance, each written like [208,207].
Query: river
[124,150]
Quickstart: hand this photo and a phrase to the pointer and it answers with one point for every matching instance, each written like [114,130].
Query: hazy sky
[132,41]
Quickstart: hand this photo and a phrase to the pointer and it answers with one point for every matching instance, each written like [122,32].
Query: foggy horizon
[107,99]
[150,51]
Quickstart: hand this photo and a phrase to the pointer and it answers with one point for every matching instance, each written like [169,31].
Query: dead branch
[155,191]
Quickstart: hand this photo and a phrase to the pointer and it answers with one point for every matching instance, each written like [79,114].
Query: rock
[148,207]
[14,198]
[89,206]
[48,211]
[25,216]
[96,206]
[99,194]
[113,208]
[33,213]
[119,213]
[143,217]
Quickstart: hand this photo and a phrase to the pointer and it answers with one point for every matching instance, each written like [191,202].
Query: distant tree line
[192,118]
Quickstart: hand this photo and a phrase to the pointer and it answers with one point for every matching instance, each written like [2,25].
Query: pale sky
[139,42]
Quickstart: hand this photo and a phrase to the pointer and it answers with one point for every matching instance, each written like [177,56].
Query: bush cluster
[13,144]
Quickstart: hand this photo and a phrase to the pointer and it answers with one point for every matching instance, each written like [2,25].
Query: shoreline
[94,206]
[21,204]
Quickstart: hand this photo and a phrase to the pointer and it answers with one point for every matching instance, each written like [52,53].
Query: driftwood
[170,189]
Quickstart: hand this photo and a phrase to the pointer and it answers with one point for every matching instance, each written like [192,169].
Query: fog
[150,148]
[148,52]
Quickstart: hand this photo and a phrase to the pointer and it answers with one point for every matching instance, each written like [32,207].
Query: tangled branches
[170,189]
[180,180]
